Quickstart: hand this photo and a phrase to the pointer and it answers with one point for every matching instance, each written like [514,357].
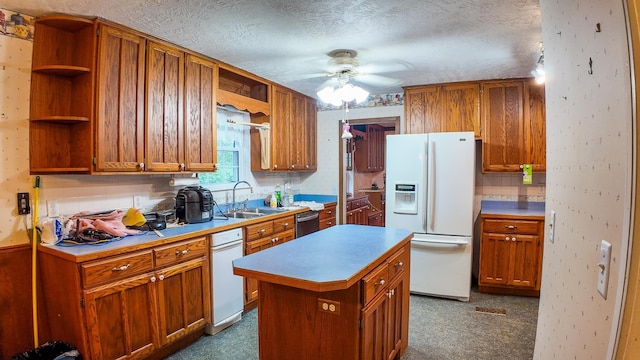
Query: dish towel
[312,205]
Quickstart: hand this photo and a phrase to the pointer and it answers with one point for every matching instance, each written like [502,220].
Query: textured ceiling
[415,41]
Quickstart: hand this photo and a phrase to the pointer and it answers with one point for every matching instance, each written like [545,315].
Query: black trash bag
[53,350]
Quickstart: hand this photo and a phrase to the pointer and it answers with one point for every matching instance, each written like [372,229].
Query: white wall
[589,134]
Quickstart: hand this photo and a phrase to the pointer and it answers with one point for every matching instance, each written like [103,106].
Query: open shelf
[243,91]
[62,119]
[66,22]
[62,70]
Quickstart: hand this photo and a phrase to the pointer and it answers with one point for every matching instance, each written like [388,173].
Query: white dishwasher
[227,288]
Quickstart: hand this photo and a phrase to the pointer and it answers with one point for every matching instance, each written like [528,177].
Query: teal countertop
[515,208]
[332,259]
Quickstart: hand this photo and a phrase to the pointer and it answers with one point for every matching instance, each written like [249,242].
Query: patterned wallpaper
[15,75]
[589,158]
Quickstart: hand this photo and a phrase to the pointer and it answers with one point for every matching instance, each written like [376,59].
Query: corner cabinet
[514,126]
[292,144]
[443,108]
[128,304]
[61,102]
[511,249]
[108,99]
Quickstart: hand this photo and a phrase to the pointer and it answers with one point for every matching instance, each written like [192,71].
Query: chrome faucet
[233,199]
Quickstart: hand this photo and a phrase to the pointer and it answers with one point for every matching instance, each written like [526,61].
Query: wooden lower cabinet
[263,236]
[328,217]
[511,255]
[132,304]
[384,333]
[358,210]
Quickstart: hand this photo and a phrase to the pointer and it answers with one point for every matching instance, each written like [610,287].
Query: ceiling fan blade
[295,77]
[377,80]
[388,67]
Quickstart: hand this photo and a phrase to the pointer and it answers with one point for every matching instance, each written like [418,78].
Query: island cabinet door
[184,299]
[120,318]
[375,319]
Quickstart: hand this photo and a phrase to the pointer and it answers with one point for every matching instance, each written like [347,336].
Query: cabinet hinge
[95,161]
[82,303]
[360,323]
[98,32]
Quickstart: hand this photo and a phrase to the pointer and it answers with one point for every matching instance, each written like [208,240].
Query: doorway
[362,175]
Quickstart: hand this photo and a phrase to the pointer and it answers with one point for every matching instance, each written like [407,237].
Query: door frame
[395,120]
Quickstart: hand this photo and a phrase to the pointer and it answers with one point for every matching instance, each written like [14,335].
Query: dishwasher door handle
[227,245]
[304,218]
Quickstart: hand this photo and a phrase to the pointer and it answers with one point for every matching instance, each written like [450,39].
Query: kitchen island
[340,293]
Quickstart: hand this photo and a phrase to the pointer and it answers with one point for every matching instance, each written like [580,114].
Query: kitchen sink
[263,210]
[245,215]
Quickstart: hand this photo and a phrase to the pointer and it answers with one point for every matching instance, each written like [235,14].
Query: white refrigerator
[430,191]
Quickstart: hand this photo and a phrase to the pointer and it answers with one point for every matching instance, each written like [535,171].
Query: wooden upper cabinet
[369,153]
[311,123]
[514,126]
[120,101]
[280,115]
[292,137]
[461,107]
[164,111]
[443,108]
[297,132]
[61,101]
[201,81]
[535,125]
[422,110]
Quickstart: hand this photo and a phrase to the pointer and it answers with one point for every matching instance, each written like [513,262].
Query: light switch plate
[552,225]
[603,268]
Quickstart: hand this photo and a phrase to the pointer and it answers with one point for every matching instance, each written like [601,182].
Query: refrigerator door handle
[427,242]
[432,184]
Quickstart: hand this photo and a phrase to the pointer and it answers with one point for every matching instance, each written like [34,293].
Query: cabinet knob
[307,166]
[161,277]
[153,279]
[183,252]
[513,238]
[182,166]
[141,165]
[507,238]
[380,283]
[121,268]
[293,166]
[275,166]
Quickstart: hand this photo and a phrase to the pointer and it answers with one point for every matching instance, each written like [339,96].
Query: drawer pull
[329,211]
[183,252]
[510,227]
[121,268]
[379,283]
[261,231]
[285,224]
[329,223]
[399,264]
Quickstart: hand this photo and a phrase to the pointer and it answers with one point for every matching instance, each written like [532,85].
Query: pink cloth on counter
[111,223]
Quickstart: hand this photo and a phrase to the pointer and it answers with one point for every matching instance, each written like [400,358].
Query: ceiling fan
[343,66]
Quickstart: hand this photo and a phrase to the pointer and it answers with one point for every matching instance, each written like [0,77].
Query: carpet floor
[488,327]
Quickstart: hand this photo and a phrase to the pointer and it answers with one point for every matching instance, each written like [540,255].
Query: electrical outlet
[603,268]
[53,210]
[23,204]
[137,201]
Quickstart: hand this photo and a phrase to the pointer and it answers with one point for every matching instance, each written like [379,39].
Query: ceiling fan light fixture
[335,95]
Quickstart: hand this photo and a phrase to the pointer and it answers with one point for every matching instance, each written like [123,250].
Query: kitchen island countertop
[331,259]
